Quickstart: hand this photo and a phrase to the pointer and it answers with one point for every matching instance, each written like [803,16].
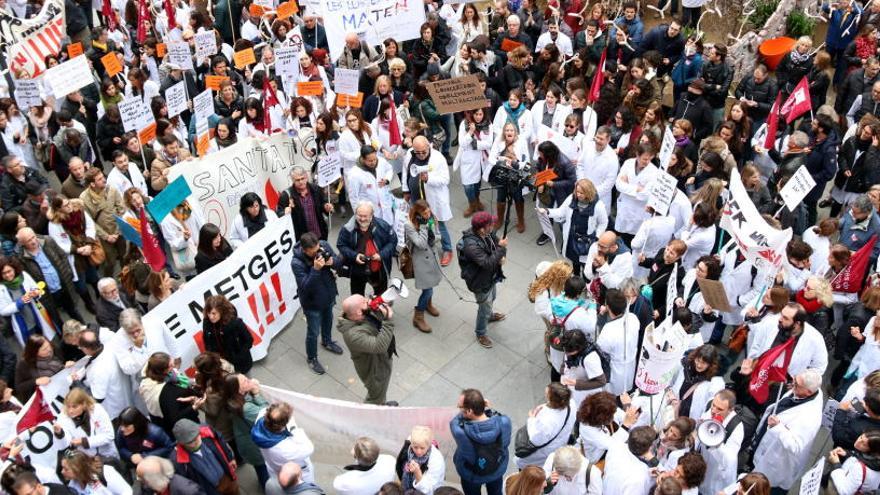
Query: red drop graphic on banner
[271,195]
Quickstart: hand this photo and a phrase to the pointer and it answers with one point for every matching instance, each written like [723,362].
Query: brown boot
[431,309]
[420,323]
[480,205]
[470,210]
[499,211]
[520,217]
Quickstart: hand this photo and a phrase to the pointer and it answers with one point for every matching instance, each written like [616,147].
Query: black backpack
[744,416]
[488,455]
[467,266]
[603,357]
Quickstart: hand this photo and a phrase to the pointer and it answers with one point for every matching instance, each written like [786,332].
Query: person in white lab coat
[721,459]
[86,425]
[784,437]
[570,473]
[124,175]
[634,185]
[369,181]
[627,472]
[420,464]
[474,142]
[699,235]
[609,260]
[570,311]
[600,164]
[180,228]
[370,471]
[809,351]
[703,315]
[619,339]
[432,186]
[860,472]
[596,429]
[696,383]
[550,112]
[252,216]
[549,424]
[510,149]
[652,235]
[357,133]
[582,370]
[742,285]
[590,221]
[107,383]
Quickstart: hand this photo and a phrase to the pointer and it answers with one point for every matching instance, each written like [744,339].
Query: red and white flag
[598,79]
[767,370]
[772,124]
[143,16]
[34,412]
[171,12]
[150,248]
[798,102]
[850,279]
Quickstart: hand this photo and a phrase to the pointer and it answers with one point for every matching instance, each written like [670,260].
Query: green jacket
[369,349]
[241,427]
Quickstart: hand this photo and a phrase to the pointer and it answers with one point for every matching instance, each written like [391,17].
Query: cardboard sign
[811,483]
[349,101]
[111,64]
[345,81]
[457,94]
[175,99]
[797,188]
[329,170]
[161,50]
[206,45]
[244,58]
[662,192]
[173,194]
[508,44]
[74,49]
[310,88]
[213,82]
[287,9]
[714,294]
[545,176]
[147,134]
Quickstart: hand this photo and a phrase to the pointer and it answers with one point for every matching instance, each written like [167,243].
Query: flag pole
[778,395]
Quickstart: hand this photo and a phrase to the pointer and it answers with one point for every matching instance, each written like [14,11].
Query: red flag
[772,124]
[598,79]
[798,101]
[152,251]
[34,412]
[170,12]
[393,129]
[850,278]
[109,14]
[143,15]
[270,99]
[766,370]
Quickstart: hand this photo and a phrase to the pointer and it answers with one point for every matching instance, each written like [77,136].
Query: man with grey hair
[512,37]
[135,343]
[367,244]
[306,204]
[357,54]
[784,438]
[110,304]
[157,477]
[371,471]
[859,224]
[289,482]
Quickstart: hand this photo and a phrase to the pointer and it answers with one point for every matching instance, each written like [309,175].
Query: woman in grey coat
[421,239]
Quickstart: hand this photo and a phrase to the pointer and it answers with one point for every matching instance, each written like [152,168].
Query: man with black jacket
[666,39]
[717,75]
[306,204]
[853,419]
[693,107]
[480,256]
[367,244]
[856,83]
[757,93]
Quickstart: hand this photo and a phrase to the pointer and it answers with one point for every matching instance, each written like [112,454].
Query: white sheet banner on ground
[374,20]
[811,483]
[794,191]
[70,76]
[662,191]
[656,368]
[256,278]
[135,115]
[29,41]
[175,98]
[336,424]
[220,179]
[760,243]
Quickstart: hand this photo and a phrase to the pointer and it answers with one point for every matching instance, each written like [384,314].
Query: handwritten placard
[345,81]
[213,82]
[457,94]
[111,64]
[328,170]
[74,49]
[27,93]
[206,45]
[714,294]
[203,105]
[175,99]
[310,88]
[349,101]
[287,61]
[244,58]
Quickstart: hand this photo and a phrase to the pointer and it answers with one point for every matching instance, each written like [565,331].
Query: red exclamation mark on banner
[264,293]
[276,284]
[252,303]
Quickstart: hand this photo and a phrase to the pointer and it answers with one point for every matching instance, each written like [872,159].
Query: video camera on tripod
[512,177]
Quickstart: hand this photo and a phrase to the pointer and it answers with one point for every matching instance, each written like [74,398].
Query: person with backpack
[482,438]
[569,311]
[721,459]
[480,256]
[585,368]
[547,428]
[569,472]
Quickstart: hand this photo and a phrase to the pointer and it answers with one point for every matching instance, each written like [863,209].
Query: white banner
[219,180]
[761,244]
[258,280]
[794,191]
[175,98]
[69,76]
[656,368]
[373,20]
[29,41]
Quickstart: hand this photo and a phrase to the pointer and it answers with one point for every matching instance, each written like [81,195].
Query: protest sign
[213,82]
[244,58]
[567,147]
[287,61]
[662,192]
[828,412]
[657,367]
[310,88]
[27,94]
[375,20]
[457,94]
[220,179]
[161,50]
[203,137]
[401,216]
[174,193]
[547,228]
[175,98]
[203,105]
[348,101]
[111,64]
[329,170]
[69,76]
[74,49]
[287,9]
[345,81]
[508,44]
[29,41]
[256,278]
[714,294]
[545,176]
[135,115]
[147,134]
[206,45]
[811,483]
[794,191]
[667,147]
[179,54]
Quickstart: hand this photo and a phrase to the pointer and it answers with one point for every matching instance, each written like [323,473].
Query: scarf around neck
[513,115]
[14,284]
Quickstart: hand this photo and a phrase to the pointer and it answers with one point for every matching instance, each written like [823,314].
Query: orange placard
[213,82]
[244,58]
[147,134]
[74,49]
[287,9]
[161,50]
[111,64]
[343,101]
[545,176]
[310,88]
[202,144]
[256,10]
[508,44]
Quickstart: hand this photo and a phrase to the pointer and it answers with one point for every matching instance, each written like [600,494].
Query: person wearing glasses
[427,178]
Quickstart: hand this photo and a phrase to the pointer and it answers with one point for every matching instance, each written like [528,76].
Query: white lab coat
[151,89]
[59,235]
[809,351]
[762,328]
[437,187]
[681,209]
[549,425]
[298,448]
[596,226]
[626,474]
[854,477]
[9,307]
[559,115]
[867,359]
[350,148]
[108,384]
[613,274]
[739,285]
[631,202]
[101,437]
[652,236]
[578,484]
[239,233]
[721,460]
[172,229]
[383,136]
[367,482]
[562,41]
[594,441]
[600,167]
[590,367]
[589,123]
[131,359]
[619,338]
[785,449]
[472,162]
[821,247]
[362,185]
[702,394]
[435,476]
[699,242]
[117,180]
[695,305]
[525,123]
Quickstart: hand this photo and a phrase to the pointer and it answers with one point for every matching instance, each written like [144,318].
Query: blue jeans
[318,321]
[492,488]
[472,191]
[426,296]
[445,240]
[484,309]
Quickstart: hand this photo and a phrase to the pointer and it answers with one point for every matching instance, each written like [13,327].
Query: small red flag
[798,102]
[109,14]
[170,12]
[393,129]
[850,279]
[598,79]
[766,370]
[772,124]
[143,15]
[270,99]
[34,412]
[152,251]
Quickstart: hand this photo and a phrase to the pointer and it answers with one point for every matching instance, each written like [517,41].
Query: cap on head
[185,431]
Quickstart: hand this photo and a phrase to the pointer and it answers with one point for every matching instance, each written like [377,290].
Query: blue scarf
[514,115]
[264,438]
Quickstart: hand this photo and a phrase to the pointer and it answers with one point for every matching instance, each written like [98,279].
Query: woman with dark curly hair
[226,334]
[596,430]
[696,384]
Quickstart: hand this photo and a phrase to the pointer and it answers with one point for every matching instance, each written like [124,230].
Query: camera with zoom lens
[513,177]
[323,254]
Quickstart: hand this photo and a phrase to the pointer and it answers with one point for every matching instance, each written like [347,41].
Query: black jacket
[854,85]
[106,131]
[718,78]
[300,226]
[672,48]
[789,73]
[695,109]
[764,94]
[107,313]
[233,341]
[848,425]
[383,236]
[847,161]
[480,260]
[566,176]
[315,289]
[658,279]
[12,192]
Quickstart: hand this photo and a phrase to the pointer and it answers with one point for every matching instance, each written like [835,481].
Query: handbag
[98,255]
[738,337]
[405,261]
[184,260]
[523,446]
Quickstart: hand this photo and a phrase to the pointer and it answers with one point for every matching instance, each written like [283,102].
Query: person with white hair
[157,476]
[421,463]
[135,343]
[571,473]
[111,303]
[367,244]
[784,438]
[371,470]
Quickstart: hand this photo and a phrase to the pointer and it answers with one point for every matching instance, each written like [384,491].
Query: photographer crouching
[369,335]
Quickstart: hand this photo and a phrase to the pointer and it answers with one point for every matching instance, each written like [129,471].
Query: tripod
[508,190]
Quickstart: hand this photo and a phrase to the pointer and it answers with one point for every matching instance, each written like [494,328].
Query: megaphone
[396,288]
[711,432]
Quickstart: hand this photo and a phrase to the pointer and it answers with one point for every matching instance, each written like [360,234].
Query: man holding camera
[480,256]
[312,264]
[367,244]
[369,334]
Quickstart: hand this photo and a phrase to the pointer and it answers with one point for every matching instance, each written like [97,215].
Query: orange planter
[773,50]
